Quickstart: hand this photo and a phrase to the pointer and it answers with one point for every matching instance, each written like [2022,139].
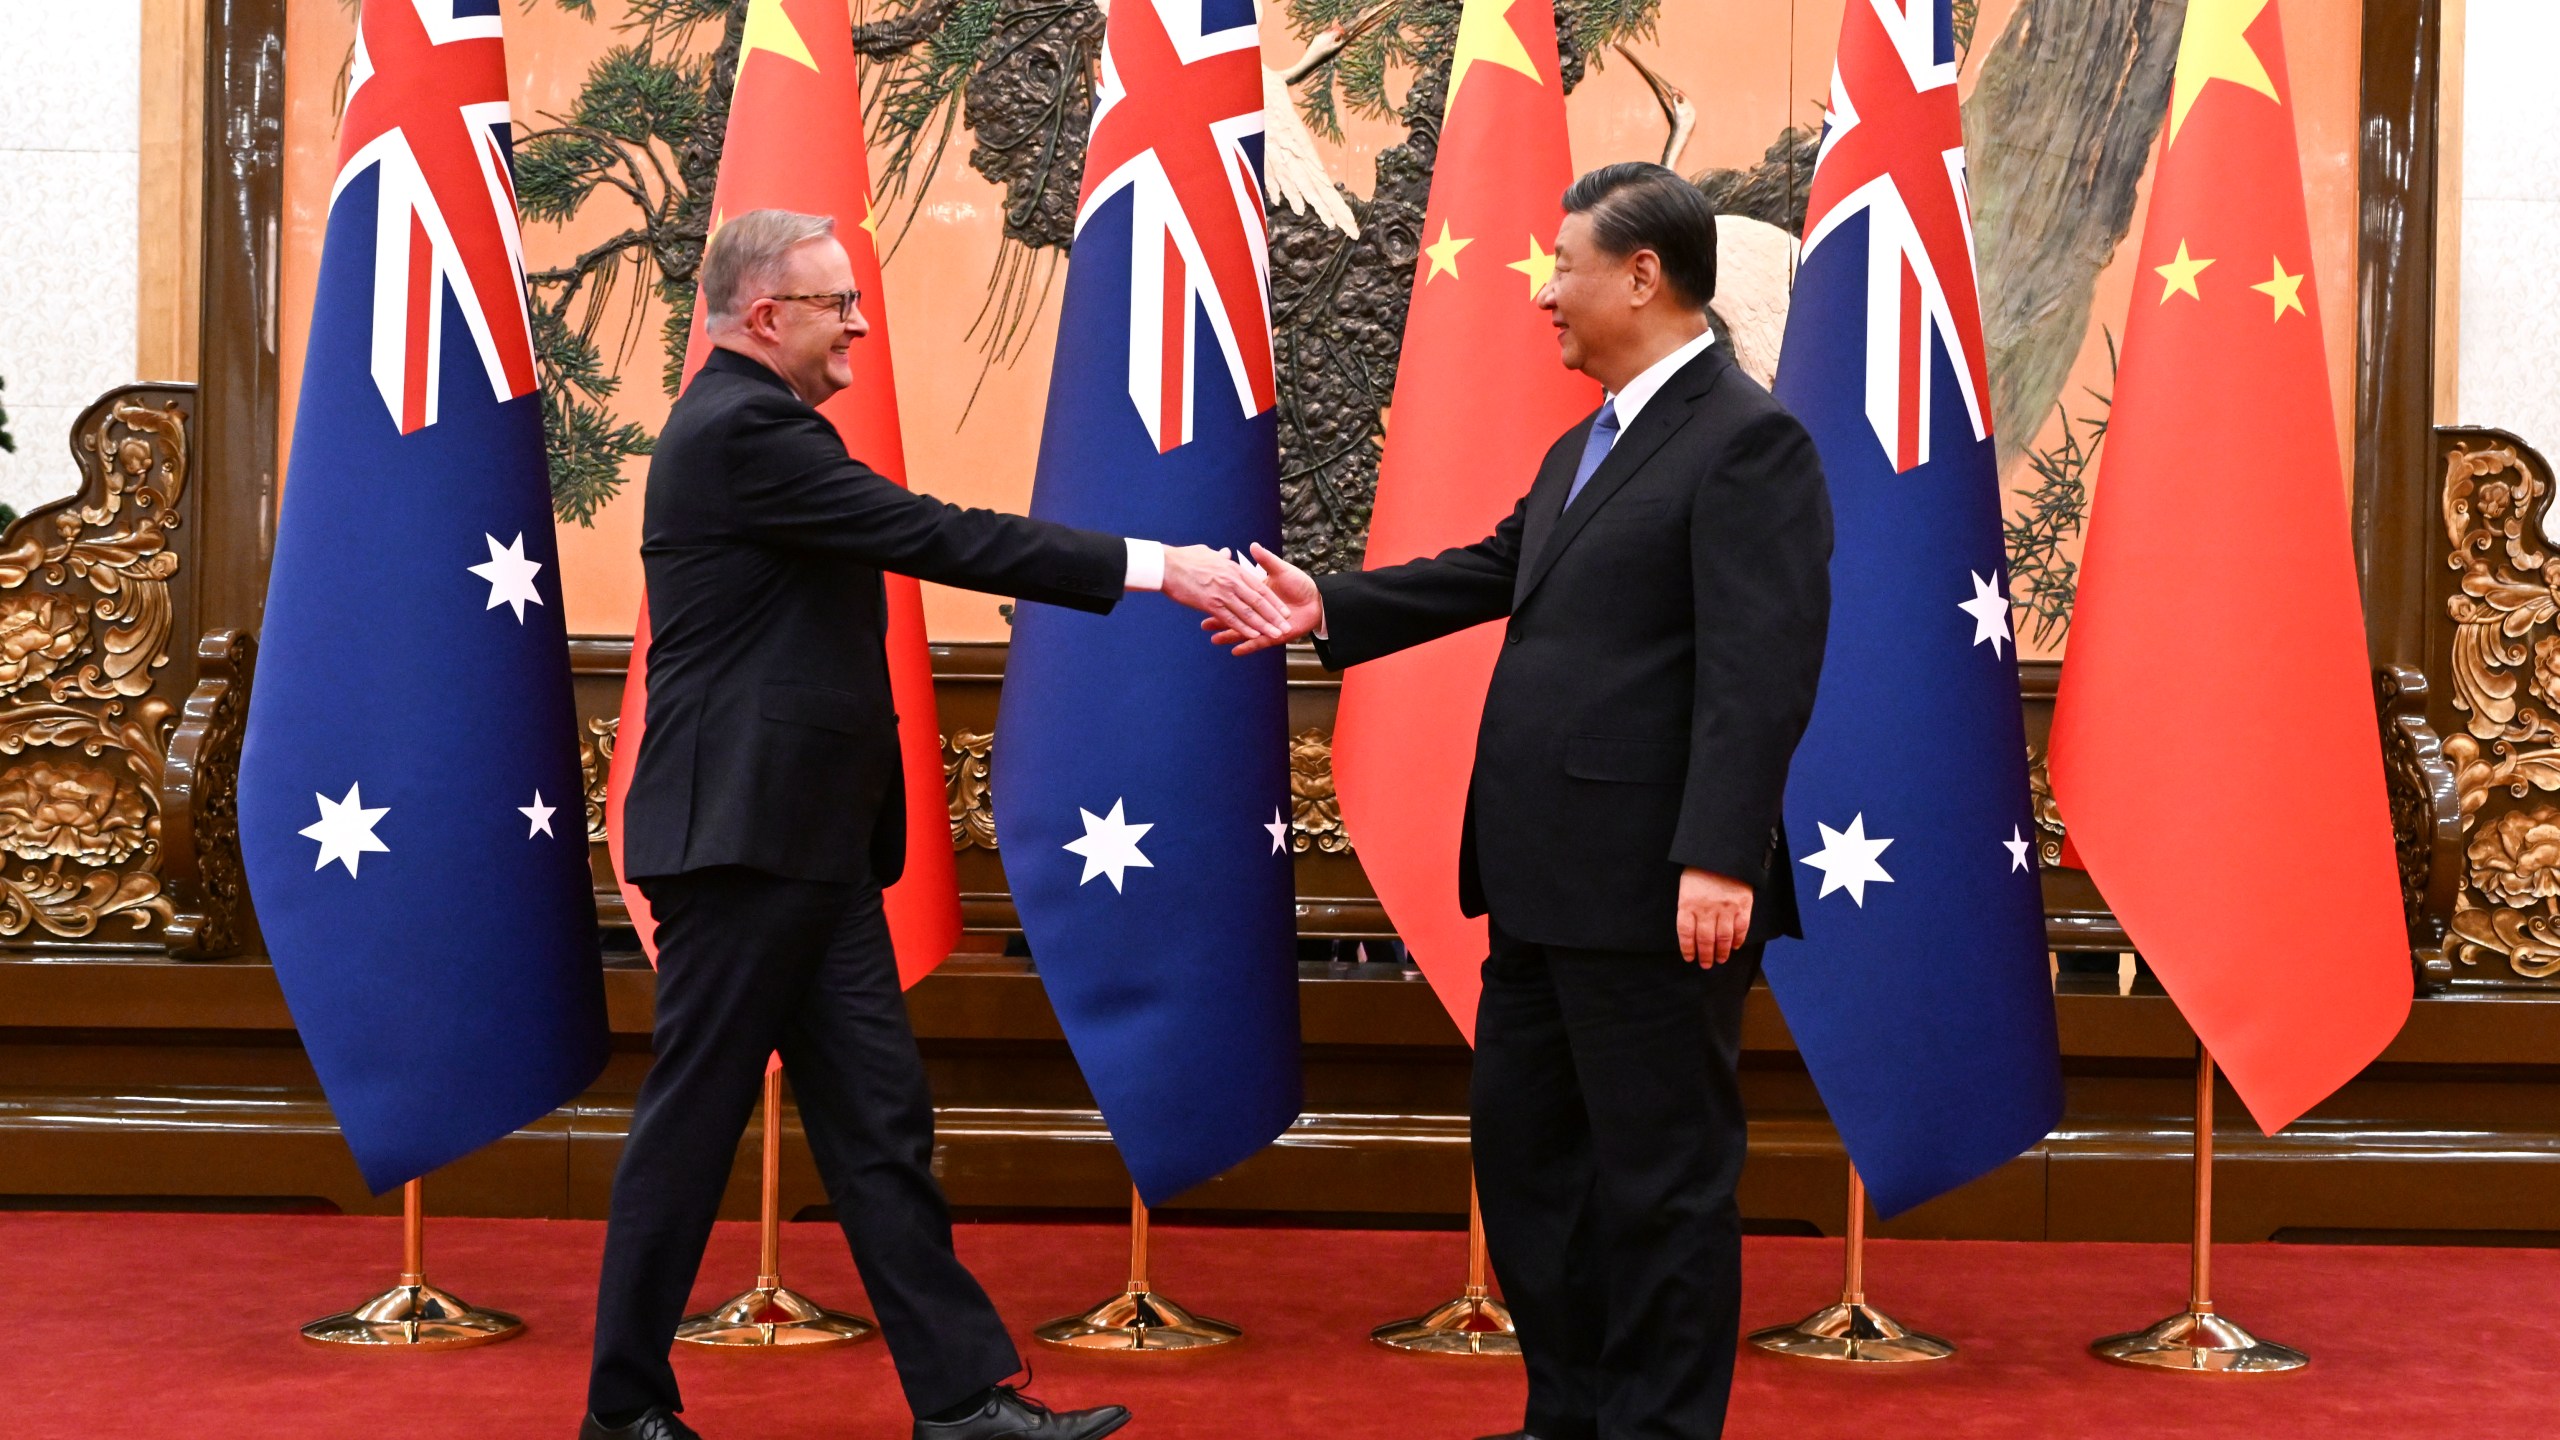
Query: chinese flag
[795,143]
[2218,614]
[1479,397]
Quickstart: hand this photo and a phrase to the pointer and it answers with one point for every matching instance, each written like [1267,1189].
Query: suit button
[1511,638]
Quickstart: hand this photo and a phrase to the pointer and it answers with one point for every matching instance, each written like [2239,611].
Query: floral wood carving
[2505,691]
[2049,831]
[1315,813]
[85,622]
[2426,817]
[964,782]
[595,770]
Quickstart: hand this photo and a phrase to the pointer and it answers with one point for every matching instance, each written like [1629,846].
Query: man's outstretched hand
[1296,592]
[1236,599]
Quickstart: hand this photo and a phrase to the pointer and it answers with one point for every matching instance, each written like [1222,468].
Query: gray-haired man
[766,813]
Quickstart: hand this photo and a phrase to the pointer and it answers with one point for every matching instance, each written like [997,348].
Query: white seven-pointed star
[1990,611]
[2016,845]
[1279,829]
[1109,845]
[510,576]
[345,829]
[538,814]
[1847,859]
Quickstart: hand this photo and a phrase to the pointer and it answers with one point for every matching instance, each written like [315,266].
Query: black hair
[1635,205]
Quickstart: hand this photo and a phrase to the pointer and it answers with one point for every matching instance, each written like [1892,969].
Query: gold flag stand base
[414,1315]
[2198,1341]
[772,1315]
[1137,1318]
[1853,1330]
[1473,1324]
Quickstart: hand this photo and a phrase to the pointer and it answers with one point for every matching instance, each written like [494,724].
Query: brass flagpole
[769,1313]
[1137,1318]
[1852,1329]
[2198,1339]
[413,1314]
[1473,1324]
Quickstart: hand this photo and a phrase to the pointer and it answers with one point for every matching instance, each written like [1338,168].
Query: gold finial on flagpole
[770,1314]
[1852,1329]
[1473,1324]
[414,1315]
[2198,1339]
[1137,1318]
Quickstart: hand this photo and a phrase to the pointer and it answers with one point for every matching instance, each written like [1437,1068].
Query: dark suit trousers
[751,963]
[1608,1139]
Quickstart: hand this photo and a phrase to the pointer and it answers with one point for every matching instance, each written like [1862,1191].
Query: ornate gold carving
[1315,813]
[595,769]
[85,617]
[201,788]
[964,782]
[2426,816]
[2049,830]
[2505,658]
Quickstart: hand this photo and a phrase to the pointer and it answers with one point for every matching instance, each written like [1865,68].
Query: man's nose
[1546,296]
[856,325]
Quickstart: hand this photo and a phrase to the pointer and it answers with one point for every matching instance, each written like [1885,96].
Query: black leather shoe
[655,1423]
[1011,1415]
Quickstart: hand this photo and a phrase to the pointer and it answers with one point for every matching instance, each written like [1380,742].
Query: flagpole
[1473,1324]
[770,1314]
[413,1314]
[1136,1319]
[1853,1330]
[2199,1339]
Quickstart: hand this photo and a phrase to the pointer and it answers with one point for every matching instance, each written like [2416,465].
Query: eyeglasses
[843,300]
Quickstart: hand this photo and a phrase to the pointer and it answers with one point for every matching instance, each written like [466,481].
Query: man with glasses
[766,813]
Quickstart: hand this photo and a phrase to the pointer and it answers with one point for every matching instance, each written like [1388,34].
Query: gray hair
[745,257]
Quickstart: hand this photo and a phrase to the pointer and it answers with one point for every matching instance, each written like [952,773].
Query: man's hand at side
[1714,916]
[1296,592]
[1234,597]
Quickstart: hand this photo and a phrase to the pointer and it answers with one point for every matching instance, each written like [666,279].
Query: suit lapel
[1654,427]
[1546,501]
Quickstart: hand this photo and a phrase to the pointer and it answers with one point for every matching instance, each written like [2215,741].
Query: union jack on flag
[409,783]
[1177,121]
[1142,781]
[1922,971]
[427,111]
[1893,150]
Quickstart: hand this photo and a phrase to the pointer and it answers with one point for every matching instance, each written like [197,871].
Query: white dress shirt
[1641,390]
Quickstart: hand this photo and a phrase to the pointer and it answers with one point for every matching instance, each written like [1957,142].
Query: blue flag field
[411,809]
[1140,772]
[1921,997]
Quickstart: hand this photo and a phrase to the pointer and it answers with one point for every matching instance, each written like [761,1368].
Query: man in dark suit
[766,812]
[1665,588]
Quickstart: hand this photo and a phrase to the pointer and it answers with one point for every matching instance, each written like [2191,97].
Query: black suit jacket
[1665,637]
[773,739]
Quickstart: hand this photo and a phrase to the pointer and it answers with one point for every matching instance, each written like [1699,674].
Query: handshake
[1249,606]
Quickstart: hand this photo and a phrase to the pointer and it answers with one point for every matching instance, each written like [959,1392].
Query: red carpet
[149,1325]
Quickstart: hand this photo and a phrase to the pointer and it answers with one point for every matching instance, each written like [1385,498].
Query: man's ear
[1644,276]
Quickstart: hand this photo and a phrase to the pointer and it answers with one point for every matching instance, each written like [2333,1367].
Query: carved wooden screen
[119,727]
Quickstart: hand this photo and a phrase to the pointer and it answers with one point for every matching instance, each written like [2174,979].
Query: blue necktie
[1604,434]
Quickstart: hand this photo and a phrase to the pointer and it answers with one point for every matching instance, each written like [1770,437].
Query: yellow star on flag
[870,220]
[2181,274]
[1485,34]
[2285,290]
[2215,46]
[769,28]
[1540,267]
[1444,253]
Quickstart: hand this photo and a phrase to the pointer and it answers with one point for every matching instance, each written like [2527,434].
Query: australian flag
[1920,997]
[410,801]
[1141,773]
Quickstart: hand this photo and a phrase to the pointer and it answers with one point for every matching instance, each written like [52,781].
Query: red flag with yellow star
[2219,587]
[795,142]
[1479,397]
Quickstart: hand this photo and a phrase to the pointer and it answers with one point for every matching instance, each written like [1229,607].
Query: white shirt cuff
[1146,565]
